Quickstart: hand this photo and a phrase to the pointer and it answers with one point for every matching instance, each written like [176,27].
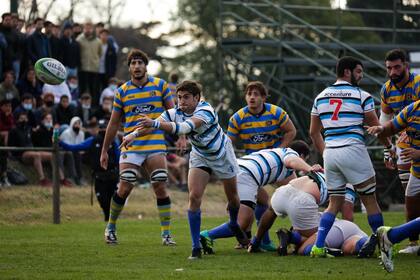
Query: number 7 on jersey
[338,103]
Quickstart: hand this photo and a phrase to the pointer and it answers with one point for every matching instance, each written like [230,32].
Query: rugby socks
[222,231]
[399,233]
[295,237]
[259,211]
[375,221]
[325,224]
[117,205]
[233,215]
[164,208]
[412,211]
[194,219]
[255,241]
[359,244]
[307,250]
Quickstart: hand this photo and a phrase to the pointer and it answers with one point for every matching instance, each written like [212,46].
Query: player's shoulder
[416,79]
[158,82]
[203,106]
[272,108]
[386,87]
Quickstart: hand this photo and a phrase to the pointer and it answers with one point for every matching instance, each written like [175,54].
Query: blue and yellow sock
[164,208]
[117,205]
[399,233]
[259,211]
[375,221]
[222,231]
[325,224]
[194,219]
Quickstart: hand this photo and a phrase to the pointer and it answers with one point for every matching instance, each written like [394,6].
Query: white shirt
[57,90]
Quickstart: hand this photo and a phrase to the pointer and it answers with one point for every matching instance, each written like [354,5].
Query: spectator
[74,135]
[21,41]
[90,53]
[109,91]
[3,48]
[20,136]
[76,30]
[105,110]
[98,28]
[173,81]
[30,84]
[58,91]
[84,109]
[53,39]
[7,121]
[70,51]
[11,51]
[64,112]
[108,59]
[42,137]
[46,107]
[38,45]
[73,85]
[27,106]
[8,90]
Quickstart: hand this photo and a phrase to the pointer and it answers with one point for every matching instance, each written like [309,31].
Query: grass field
[32,248]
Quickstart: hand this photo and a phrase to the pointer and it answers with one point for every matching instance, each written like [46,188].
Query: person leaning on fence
[106,180]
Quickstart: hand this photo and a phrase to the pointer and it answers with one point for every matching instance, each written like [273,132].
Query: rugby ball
[50,71]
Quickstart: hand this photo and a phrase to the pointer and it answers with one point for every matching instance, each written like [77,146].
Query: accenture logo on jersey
[146,108]
[338,94]
[259,138]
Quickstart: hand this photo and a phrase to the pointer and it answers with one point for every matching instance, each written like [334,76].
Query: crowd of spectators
[30,110]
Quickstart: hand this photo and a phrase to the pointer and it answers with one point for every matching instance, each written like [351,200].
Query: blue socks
[296,238]
[325,224]
[307,250]
[259,211]
[222,231]
[375,221]
[194,219]
[399,233]
[233,215]
[360,243]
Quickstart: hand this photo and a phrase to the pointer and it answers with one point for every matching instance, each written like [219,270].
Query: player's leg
[262,205]
[197,181]
[412,206]
[366,191]
[265,224]
[348,206]
[155,166]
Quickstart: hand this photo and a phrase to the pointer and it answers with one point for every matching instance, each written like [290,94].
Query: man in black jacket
[38,45]
[70,51]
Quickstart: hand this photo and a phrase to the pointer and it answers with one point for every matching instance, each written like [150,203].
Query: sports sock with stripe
[164,208]
[117,205]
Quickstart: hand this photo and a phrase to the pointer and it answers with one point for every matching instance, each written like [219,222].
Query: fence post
[56,179]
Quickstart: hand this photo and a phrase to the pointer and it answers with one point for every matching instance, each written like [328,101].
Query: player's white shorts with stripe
[340,232]
[301,207]
[138,158]
[401,161]
[247,187]
[225,167]
[350,164]
[413,186]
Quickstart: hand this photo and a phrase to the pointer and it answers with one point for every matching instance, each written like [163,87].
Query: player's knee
[128,175]
[159,176]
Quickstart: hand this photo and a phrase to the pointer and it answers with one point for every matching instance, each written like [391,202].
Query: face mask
[27,106]
[22,123]
[73,85]
[113,87]
[49,103]
[85,106]
[48,125]
[76,129]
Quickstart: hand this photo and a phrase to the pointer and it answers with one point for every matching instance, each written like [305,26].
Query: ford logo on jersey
[141,109]
[259,138]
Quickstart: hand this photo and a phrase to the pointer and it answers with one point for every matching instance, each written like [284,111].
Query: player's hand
[403,138]
[127,140]
[374,130]
[389,157]
[181,144]
[145,122]
[104,160]
[410,153]
[317,168]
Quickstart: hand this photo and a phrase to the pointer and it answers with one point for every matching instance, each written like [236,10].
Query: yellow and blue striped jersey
[258,132]
[409,119]
[398,98]
[147,100]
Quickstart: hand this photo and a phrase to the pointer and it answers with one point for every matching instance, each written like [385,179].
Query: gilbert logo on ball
[50,71]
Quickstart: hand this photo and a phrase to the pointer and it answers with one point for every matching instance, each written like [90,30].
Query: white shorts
[301,207]
[225,167]
[413,186]
[137,158]
[340,232]
[247,187]
[350,164]
[400,161]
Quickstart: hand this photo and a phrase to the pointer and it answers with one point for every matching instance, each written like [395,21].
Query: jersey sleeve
[383,94]
[233,126]
[314,110]
[400,121]
[205,115]
[282,116]
[118,105]
[367,102]
[168,116]
[290,153]
[166,92]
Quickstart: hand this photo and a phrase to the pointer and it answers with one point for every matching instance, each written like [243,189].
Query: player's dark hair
[136,53]
[347,62]
[104,31]
[38,19]
[257,85]
[300,147]
[396,54]
[173,78]
[192,87]
[4,15]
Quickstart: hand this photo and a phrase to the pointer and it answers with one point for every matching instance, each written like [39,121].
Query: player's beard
[354,81]
[398,78]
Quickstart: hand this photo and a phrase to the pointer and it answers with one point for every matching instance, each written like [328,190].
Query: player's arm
[289,133]
[111,131]
[299,164]
[371,120]
[315,133]
[233,129]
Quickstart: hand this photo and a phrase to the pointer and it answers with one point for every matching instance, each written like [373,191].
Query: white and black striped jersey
[267,166]
[208,140]
[341,108]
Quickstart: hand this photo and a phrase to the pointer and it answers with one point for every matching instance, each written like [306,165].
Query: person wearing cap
[106,180]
